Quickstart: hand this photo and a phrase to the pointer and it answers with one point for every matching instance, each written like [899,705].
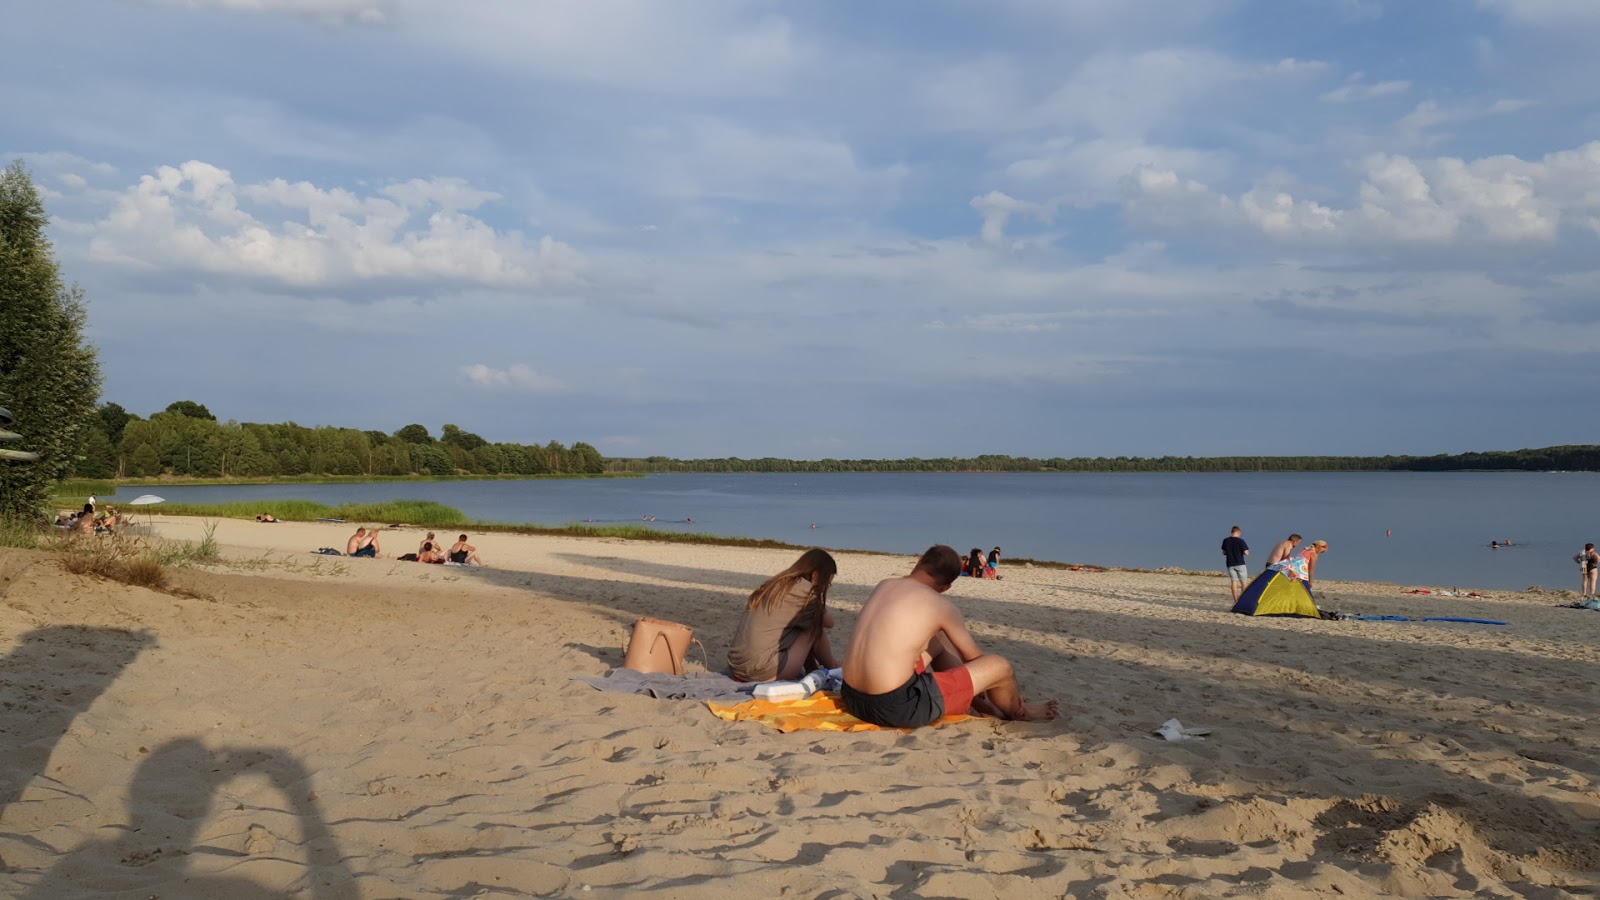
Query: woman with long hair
[784,632]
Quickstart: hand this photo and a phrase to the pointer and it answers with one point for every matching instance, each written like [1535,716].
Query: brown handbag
[658,646]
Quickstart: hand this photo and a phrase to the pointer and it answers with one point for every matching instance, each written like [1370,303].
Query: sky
[708,228]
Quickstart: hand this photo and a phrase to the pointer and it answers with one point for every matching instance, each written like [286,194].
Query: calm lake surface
[1442,523]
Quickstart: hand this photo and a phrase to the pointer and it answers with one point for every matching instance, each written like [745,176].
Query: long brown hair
[815,564]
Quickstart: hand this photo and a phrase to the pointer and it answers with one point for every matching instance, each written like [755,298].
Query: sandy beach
[283,724]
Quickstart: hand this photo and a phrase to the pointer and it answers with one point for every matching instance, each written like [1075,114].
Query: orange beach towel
[819,712]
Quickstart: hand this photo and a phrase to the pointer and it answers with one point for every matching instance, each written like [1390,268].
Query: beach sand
[291,725]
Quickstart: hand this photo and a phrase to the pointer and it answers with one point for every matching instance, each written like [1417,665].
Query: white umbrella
[146,500]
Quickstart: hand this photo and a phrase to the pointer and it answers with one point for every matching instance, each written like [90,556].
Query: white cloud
[1356,91]
[1032,323]
[517,377]
[703,47]
[194,217]
[1441,201]
[714,158]
[1143,16]
[1091,171]
[1419,126]
[332,12]
[1547,12]
[998,208]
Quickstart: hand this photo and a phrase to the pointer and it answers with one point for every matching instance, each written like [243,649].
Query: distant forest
[1585,458]
[185,439]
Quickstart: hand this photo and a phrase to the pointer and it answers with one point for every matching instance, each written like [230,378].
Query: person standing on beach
[1310,555]
[1591,570]
[1234,550]
[912,660]
[1284,549]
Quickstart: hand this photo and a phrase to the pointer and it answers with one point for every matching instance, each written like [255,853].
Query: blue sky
[947,227]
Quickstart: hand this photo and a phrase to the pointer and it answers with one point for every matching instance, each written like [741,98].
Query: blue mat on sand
[1426,619]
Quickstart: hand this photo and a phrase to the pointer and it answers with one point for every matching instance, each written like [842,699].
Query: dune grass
[131,560]
[20,533]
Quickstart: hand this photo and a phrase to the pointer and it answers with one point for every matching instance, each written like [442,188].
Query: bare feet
[1037,713]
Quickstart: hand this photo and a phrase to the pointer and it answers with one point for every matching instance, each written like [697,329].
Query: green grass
[81,488]
[411,512]
[20,533]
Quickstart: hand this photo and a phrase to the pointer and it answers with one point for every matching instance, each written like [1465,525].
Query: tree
[414,434]
[49,375]
[113,418]
[191,409]
[466,440]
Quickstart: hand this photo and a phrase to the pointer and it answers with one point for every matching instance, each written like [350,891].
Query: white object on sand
[792,690]
[1173,730]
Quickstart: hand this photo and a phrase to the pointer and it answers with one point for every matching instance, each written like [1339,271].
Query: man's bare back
[906,625]
[896,625]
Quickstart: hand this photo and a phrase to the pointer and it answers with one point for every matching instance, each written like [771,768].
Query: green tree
[586,459]
[414,434]
[113,418]
[191,409]
[466,440]
[48,373]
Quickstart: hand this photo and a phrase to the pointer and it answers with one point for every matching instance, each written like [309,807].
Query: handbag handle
[679,665]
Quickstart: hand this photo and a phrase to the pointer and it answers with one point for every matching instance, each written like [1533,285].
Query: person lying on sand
[912,660]
[463,553]
[784,631]
[266,517]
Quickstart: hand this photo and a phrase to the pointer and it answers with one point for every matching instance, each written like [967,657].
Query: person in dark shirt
[1234,550]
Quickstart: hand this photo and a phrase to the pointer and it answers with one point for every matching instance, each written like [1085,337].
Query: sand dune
[291,725]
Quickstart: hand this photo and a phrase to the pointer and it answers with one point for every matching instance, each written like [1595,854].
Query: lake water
[1441,523]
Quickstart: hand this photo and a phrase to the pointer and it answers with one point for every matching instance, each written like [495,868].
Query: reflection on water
[1417,528]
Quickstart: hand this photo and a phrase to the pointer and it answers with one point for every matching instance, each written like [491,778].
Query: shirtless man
[363,543]
[905,629]
[1284,548]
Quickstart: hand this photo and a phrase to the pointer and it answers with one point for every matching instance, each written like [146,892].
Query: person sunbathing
[464,554]
[784,631]
[364,543]
[266,517]
[430,551]
[912,660]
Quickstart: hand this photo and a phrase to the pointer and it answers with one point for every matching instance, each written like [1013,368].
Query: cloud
[517,377]
[331,12]
[1356,91]
[1441,201]
[1033,323]
[1548,13]
[998,208]
[687,47]
[718,159]
[194,217]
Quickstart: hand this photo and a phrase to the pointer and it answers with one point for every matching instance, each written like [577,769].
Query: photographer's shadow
[46,681]
[172,795]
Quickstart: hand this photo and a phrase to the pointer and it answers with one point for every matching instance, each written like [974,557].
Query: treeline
[186,439]
[1576,458]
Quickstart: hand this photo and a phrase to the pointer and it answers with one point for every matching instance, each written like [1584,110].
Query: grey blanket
[702,686]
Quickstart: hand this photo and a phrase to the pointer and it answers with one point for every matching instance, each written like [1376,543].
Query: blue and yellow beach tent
[1275,594]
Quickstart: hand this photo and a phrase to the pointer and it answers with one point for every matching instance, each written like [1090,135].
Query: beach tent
[1274,593]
